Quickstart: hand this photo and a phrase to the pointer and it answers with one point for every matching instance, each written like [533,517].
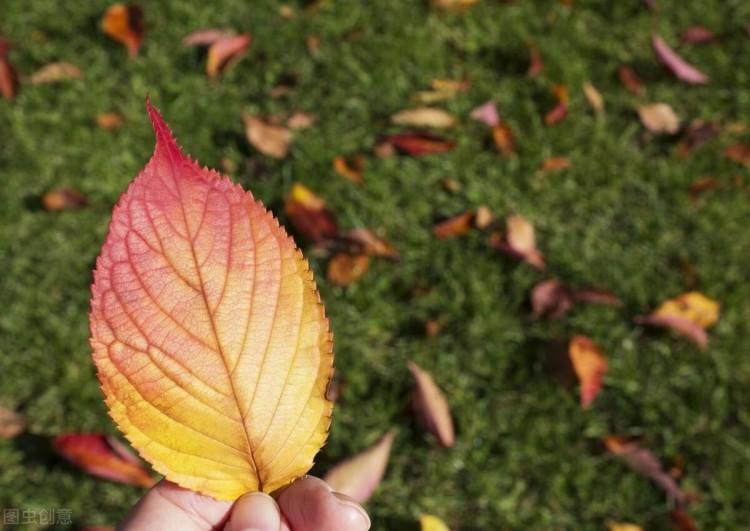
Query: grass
[526,456]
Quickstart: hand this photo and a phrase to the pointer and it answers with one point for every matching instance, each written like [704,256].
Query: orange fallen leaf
[738,153]
[554,164]
[272,140]
[11,423]
[424,117]
[442,90]
[536,66]
[594,97]
[225,53]
[309,215]
[631,80]
[351,169]
[55,72]
[428,522]
[502,135]
[124,23]
[109,120]
[8,74]
[209,338]
[431,407]
[64,199]
[344,269]
[659,118]
[560,111]
[418,144]
[590,367]
[616,526]
[360,475]
[103,456]
[453,5]
[455,226]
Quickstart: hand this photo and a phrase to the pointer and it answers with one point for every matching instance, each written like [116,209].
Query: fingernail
[254,511]
[343,499]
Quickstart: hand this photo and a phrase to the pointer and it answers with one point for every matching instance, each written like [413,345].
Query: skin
[308,504]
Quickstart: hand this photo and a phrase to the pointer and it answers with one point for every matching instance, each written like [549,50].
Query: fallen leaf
[536,66]
[519,241]
[451,186]
[644,463]
[442,90]
[351,169]
[64,199]
[344,269]
[738,153]
[702,185]
[301,120]
[418,144]
[286,11]
[225,52]
[124,23]
[453,5]
[659,118]
[551,299]
[483,217]
[55,72]
[487,114]
[428,522]
[209,338]
[364,241]
[424,117]
[693,306]
[309,215]
[11,423]
[554,164]
[560,111]
[616,526]
[286,84]
[590,367]
[697,35]
[679,324]
[455,226]
[450,85]
[359,476]
[696,134]
[682,521]
[596,296]
[631,80]
[433,328]
[431,407]
[594,97]
[109,120]
[504,140]
[102,456]
[651,5]
[384,150]
[676,64]
[207,36]
[313,45]
[8,74]
[272,140]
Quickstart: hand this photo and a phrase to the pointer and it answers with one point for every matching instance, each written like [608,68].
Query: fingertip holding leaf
[209,338]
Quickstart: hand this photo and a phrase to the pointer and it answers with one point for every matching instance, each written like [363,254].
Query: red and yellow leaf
[124,23]
[309,215]
[210,341]
[590,367]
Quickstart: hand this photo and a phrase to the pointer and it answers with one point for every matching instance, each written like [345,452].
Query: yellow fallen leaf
[693,306]
[615,526]
[430,522]
[424,117]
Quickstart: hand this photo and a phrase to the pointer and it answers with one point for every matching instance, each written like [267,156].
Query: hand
[308,504]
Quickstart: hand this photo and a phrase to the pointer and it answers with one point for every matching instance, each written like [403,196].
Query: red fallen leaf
[419,144]
[364,241]
[11,423]
[124,23]
[359,476]
[487,114]
[207,36]
[590,367]
[644,463]
[455,226]
[54,72]
[103,456]
[519,241]
[676,64]
[702,185]
[536,66]
[504,140]
[682,521]
[738,153]
[697,35]
[344,269]
[679,324]
[8,74]
[551,299]
[272,140]
[554,164]
[309,215]
[351,169]
[225,52]
[596,296]
[109,120]
[64,199]
[696,134]
[431,407]
[631,80]
[561,109]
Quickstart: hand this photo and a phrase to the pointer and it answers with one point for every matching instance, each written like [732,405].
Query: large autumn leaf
[211,344]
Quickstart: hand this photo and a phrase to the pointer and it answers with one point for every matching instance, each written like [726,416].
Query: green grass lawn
[526,456]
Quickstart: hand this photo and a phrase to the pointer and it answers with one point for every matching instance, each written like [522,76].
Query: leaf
[504,140]
[702,185]
[359,476]
[419,144]
[630,79]
[272,140]
[8,74]
[693,306]
[594,97]
[455,226]
[679,324]
[453,5]
[659,118]
[738,153]
[696,134]
[431,407]
[309,215]
[519,241]
[483,217]
[301,120]
[209,338]
[682,522]
[615,526]
[11,423]
[350,169]
[487,114]
[64,199]
[207,36]
[424,117]
[697,35]
[644,463]
[551,299]
[676,64]
[590,367]
[363,240]
[554,164]
[596,296]
[55,72]
[109,120]
[344,269]
[124,23]
[224,53]
[560,111]
[429,522]
[536,66]
[102,456]
[442,90]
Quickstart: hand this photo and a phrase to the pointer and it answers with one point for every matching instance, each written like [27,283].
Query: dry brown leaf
[55,72]
[424,117]
[551,299]
[431,407]
[590,367]
[659,118]
[594,97]
[11,423]
[63,199]
[109,120]
[309,215]
[344,269]
[124,23]
[225,52]
[738,153]
[301,120]
[631,80]
[455,226]
[352,169]
[359,476]
[452,186]
[272,140]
